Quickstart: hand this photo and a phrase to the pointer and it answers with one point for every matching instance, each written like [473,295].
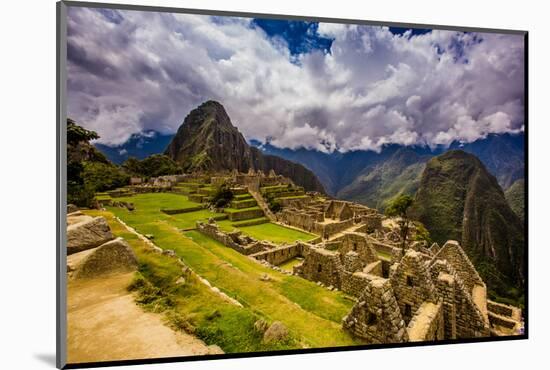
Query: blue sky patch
[301,36]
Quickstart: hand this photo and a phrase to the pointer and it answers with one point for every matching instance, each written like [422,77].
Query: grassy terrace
[269,231]
[148,208]
[312,314]
[237,210]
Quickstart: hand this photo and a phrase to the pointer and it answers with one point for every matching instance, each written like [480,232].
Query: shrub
[275,206]
[222,197]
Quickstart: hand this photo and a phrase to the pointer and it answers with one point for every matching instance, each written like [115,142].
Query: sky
[294,84]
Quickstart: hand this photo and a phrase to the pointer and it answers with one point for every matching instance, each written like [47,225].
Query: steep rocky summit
[208,141]
[459,199]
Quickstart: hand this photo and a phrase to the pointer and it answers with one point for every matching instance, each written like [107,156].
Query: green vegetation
[274,205]
[191,306]
[399,207]
[311,313]
[222,197]
[378,184]
[269,231]
[459,200]
[289,265]
[239,210]
[148,210]
[515,195]
[88,171]
[422,234]
[152,166]
[103,176]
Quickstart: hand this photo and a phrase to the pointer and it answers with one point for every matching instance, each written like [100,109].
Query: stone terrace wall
[279,255]
[229,239]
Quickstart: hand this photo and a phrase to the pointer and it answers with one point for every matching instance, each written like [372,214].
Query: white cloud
[151,69]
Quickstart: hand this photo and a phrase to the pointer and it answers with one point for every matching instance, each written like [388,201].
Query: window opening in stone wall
[371,318]
[408,313]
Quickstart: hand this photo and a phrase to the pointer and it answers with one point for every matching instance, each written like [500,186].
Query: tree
[88,171]
[222,197]
[399,207]
[76,133]
[152,166]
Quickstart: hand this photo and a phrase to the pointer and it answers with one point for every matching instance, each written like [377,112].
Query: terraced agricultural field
[311,313]
[269,231]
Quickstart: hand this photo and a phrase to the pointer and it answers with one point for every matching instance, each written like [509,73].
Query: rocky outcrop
[115,256]
[208,141]
[87,234]
[276,332]
[459,199]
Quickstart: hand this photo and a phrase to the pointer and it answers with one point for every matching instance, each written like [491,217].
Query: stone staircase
[263,205]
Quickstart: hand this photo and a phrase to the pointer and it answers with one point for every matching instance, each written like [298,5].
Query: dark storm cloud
[321,86]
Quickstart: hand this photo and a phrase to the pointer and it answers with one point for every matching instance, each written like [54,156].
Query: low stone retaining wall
[245,215]
[279,255]
[182,210]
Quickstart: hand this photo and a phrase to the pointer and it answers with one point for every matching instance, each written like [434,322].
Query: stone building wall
[357,242]
[376,317]
[411,283]
[320,265]
[355,283]
[301,219]
[328,230]
[427,324]
[372,222]
[455,255]
[470,321]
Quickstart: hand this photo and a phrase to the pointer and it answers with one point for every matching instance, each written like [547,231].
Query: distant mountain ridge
[459,199]
[208,141]
[139,146]
[367,177]
[354,175]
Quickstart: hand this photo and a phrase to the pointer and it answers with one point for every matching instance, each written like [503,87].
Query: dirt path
[104,323]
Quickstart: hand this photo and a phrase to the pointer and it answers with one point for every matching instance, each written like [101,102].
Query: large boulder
[87,234]
[276,332]
[115,256]
[77,217]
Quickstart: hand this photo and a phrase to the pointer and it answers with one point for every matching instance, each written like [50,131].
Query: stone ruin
[236,240]
[330,217]
[421,293]
[93,251]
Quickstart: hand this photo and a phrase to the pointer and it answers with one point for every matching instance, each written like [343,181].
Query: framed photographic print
[235,184]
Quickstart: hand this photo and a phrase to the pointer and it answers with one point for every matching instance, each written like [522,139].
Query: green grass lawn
[288,265]
[242,196]
[235,210]
[191,306]
[311,313]
[268,231]
[148,206]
